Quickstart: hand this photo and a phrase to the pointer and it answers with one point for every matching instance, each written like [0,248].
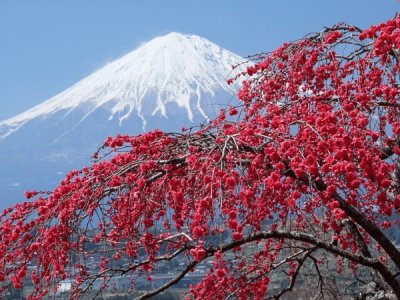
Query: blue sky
[46,46]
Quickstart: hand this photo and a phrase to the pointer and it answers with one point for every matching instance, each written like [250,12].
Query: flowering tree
[304,173]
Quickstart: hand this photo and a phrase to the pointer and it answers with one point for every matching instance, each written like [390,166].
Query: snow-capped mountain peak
[170,82]
[175,69]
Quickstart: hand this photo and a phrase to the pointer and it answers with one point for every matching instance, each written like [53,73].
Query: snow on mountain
[175,68]
[170,82]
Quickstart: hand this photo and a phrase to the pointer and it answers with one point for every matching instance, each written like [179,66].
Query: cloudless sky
[47,45]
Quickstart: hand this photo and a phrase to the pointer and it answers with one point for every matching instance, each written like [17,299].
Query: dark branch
[169,283]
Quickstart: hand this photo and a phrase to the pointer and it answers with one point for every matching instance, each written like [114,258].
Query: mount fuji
[169,82]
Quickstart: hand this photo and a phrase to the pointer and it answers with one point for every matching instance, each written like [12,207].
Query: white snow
[175,68]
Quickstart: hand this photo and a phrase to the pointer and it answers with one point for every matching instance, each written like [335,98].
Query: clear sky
[46,45]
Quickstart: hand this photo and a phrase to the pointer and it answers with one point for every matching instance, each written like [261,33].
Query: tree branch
[169,283]
[294,276]
[372,229]
[303,237]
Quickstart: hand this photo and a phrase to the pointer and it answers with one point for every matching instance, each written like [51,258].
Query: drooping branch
[303,237]
[292,283]
[371,228]
[169,283]
[295,236]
